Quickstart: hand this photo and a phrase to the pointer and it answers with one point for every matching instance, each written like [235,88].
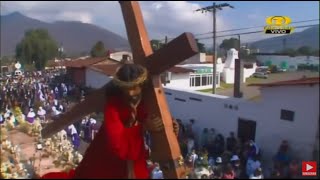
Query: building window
[197,81]
[287,115]
[200,80]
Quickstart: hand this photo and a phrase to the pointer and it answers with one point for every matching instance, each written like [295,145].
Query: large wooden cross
[165,147]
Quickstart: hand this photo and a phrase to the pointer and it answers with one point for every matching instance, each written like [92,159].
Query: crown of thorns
[138,81]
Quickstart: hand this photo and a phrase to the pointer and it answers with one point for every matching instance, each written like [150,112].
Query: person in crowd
[190,144]
[193,158]
[218,164]
[42,114]
[2,119]
[257,174]
[55,112]
[204,138]
[157,173]
[253,149]
[294,170]
[252,165]
[218,145]
[236,164]
[231,142]
[282,156]
[182,129]
[31,115]
[228,172]
[74,136]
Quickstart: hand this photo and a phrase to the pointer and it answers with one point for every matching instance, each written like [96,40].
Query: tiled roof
[176,69]
[107,69]
[302,81]
[79,63]
[110,69]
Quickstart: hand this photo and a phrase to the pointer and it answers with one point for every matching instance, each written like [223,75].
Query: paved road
[252,91]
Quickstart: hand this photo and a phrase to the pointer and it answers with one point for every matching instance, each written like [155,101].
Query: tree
[201,47]
[230,43]
[98,50]
[315,52]
[36,48]
[156,44]
[305,50]
[291,52]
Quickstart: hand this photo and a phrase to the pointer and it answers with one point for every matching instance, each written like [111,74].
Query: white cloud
[162,18]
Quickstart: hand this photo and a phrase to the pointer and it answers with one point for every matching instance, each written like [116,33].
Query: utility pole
[214,9]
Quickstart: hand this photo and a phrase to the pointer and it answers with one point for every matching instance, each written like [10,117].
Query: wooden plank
[176,51]
[165,147]
[136,31]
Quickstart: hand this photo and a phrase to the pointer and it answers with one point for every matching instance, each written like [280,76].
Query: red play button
[309,168]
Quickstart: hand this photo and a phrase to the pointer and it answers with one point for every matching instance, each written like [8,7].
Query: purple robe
[76,141]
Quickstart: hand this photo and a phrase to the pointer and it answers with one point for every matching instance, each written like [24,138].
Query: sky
[170,18]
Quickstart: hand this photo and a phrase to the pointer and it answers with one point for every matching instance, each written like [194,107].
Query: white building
[99,74]
[192,77]
[229,68]
[287,62]
[287,111]
[121,55]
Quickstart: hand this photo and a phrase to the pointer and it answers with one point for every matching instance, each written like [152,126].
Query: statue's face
[133,93]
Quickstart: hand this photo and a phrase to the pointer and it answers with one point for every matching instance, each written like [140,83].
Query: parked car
[282,70]
[260,75]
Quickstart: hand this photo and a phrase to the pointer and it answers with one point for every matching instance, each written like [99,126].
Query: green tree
[305,50]
[156,44]
[291,52]
[230,43]
[98,50]
[201,47]
[36,48]
[315,52]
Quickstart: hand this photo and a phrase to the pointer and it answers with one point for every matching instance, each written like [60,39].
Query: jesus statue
[118,150]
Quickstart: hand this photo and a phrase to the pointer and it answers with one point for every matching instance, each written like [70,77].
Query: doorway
[246,130]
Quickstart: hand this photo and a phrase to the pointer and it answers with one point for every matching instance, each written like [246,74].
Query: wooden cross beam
[166,150]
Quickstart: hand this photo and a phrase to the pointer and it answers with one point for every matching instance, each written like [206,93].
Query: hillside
[77,38]
[307,37]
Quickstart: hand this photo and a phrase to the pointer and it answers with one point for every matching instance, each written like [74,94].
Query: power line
[252,32]
[253,27]
[229,30]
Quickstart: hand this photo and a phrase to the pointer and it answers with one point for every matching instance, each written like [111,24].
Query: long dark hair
[126,73]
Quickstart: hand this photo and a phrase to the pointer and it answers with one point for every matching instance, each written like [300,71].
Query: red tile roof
[176,69]
[302,81]
[209,59]
[80,63]
[110,69]
[107,69]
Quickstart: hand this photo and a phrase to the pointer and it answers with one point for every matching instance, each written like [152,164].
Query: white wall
[96,79]
[118,55]
[182,81]
[301,133]
[270,130]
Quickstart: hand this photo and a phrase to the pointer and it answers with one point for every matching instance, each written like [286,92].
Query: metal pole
[214,51]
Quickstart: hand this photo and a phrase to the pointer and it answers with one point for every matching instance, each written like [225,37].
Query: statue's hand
[175,127]
[154,124]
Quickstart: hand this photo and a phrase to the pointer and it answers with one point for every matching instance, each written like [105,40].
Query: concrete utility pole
[213,9]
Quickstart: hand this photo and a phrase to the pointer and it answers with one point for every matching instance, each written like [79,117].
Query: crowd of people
[39,96]
[208,153]
[212,156]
